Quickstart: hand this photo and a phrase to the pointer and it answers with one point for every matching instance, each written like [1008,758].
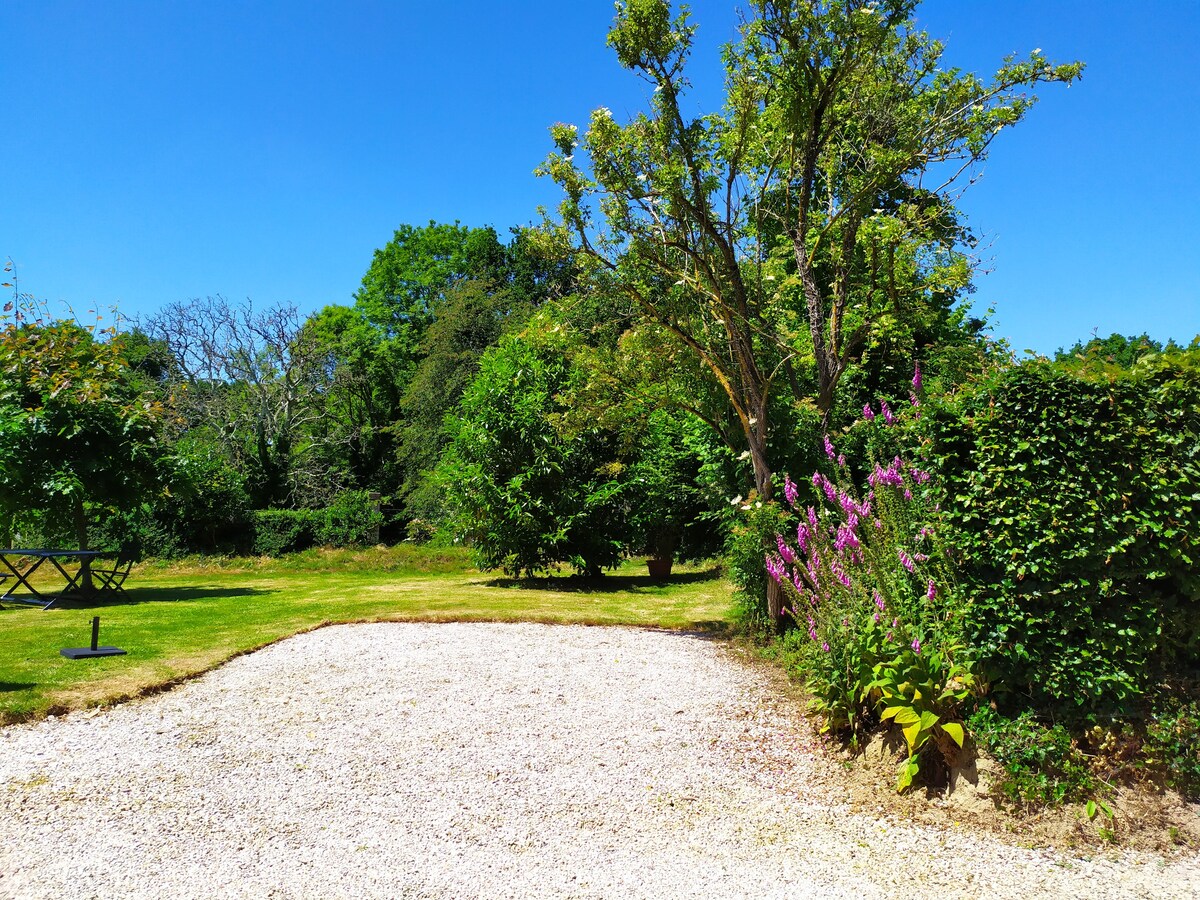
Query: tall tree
[813,211]
[78,429]
[253,380]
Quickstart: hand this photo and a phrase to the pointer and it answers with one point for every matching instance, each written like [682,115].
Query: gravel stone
[483,760]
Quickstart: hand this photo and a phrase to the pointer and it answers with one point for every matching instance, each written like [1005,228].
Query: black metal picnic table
[40,556]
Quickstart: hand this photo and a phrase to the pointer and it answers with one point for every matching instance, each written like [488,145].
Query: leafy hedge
[1075,498]
[279,531]
[352,520]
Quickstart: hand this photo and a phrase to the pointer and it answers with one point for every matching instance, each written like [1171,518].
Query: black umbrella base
[88,652]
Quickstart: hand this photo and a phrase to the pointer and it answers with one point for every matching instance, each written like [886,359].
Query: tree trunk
[762,483]
[81,538]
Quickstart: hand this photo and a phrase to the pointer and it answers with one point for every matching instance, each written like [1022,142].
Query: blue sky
[156,151]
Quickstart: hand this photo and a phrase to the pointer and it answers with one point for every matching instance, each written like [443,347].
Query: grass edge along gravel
[181,620]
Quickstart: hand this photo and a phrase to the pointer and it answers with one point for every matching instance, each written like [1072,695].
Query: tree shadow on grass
[133,596]
[7,687]
[605,584]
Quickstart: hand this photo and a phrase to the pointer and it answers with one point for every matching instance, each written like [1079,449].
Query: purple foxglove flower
[790,491]
[932,592]
[846,538]
[829,451]
[916,645]
[916,381]
[802,536]
[812,633]
[868,413]
[775,566]
[812,517]
[841,460]
[905,560]
[876,618]
[887,413]
[878,600]
[907,494]
[889,637]
[825,647]
[785,551]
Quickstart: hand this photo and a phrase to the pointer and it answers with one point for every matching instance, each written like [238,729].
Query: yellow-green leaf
[955,731]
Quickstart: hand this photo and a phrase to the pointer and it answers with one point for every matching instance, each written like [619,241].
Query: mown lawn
[181,620]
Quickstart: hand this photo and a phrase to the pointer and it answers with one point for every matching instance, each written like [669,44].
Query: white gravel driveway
[409,760]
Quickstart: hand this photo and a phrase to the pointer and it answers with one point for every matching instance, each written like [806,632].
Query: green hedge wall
[1075,501]
[279,531]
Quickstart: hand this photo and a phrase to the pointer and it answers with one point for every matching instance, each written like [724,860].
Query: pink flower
[785,551]
[887,413]
[825,647]
[790,491]
[775,566]
[829,451]
[932,592]
[916,381]
[868,413]
[905,560]
[916,645]
[878,600]
[802,536]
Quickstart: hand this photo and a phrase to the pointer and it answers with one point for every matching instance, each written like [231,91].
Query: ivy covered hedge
[1074,495]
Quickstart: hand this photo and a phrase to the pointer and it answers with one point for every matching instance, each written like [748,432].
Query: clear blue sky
[156,151]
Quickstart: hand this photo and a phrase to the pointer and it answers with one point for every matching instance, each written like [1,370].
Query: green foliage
[1115,350]
[409,275]
[923,693]
[669,515]
[209,507]
[750,536]
[78,430]
[1042,766]
[363,383]
[523,492]
[352,520]
[1077,513]
[279,531]
[1173,745]
[789,230]
[870,580]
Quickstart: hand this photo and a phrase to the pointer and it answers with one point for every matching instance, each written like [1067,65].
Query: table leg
[22,579]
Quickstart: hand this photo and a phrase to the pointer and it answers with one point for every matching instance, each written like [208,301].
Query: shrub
[352,520]
[1042,765]
[279,531]
[1077,515]
[1173,745]
[751,536]
[868,579]
[524,490]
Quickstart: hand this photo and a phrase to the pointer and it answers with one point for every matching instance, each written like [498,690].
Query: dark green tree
[526,492]
[78,432]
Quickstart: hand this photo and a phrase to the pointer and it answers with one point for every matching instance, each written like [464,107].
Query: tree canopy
[808,217]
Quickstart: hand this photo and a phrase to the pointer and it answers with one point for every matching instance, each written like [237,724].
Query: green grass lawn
[184,619]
